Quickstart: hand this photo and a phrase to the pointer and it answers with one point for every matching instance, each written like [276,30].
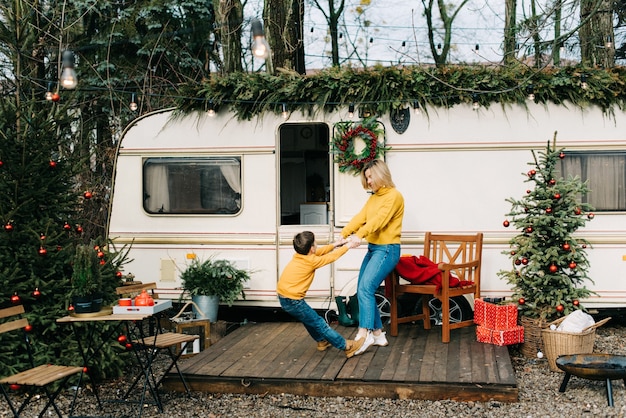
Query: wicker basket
[557,343]
[532,336]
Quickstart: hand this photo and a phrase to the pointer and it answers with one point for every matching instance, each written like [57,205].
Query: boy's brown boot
[322,345]
[352,346]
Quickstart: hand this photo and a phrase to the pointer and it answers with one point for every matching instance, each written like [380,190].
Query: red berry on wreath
[506,224]
[560,308]
[553,268]
[521,301]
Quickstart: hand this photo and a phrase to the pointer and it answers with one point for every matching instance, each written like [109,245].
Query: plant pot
[87,304]
[206,307]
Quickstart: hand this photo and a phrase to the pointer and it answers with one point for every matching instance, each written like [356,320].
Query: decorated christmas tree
[549,263]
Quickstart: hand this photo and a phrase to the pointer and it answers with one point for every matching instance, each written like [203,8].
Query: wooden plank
[440,370]
[465,358]
[418,337]
[506,375]
[490,363]
[478,361]
[453,363]
[433,343]
[301,342]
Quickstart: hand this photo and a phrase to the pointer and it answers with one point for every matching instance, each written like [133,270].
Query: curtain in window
[157,197]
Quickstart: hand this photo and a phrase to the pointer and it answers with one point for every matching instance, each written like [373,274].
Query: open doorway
[304,173]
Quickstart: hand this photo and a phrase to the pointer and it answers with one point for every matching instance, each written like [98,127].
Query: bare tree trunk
[510,31]
[229,18]
[556,45]
[597,46]
[284,33]
[332,18]
[440,55]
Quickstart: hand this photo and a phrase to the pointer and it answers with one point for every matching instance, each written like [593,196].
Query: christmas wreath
[343,145]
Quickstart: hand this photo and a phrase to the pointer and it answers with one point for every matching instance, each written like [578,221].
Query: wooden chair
[460,256]
[37,378]
[174,344]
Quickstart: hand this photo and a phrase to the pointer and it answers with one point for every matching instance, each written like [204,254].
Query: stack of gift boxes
[497,324]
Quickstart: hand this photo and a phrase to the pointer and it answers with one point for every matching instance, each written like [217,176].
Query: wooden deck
[281,358]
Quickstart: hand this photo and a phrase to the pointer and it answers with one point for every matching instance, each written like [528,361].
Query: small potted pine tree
[86,280]
[549,265]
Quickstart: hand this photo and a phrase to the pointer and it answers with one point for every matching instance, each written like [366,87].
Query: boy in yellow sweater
[295,281]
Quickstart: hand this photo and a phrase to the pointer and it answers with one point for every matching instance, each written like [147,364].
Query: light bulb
[416,107]
[260,47]
[49,95]
[133,103]
[211,111]
[69,79]
[351,110]
[285,113]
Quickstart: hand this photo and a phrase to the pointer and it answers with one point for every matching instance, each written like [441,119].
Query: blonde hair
[380,174]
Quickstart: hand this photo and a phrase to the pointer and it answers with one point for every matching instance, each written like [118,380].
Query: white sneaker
[380,340]
[369,340]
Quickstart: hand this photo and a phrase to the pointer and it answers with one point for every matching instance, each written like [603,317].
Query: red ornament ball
[42,251]
[118,274]
[532,173]
[56,97]
[79,229]
[566,247]
[15,299]
[14,386]
[584,245]
[528,191]
[129,346]
[553,268]
[524,261]
[518,262]
[85,369]
[572,265]
[560,308]
[67,226]
[1,163]
[28,328]
[8,227]
[521,301]
[552,182]
[548,210]
[557,195]
[577,211]
[506,224]
[70,308]
[100,254]
[87,195]
[529,229]
[122,339]
[36,293]
[561,155]
[575,302]
[590,215]
[52,164]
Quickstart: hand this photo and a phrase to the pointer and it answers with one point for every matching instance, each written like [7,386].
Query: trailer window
[205,185]
[605,173]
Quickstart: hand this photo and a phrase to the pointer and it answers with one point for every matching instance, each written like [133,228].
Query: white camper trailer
[207,186]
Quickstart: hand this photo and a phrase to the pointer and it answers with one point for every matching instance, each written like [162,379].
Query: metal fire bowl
[593,366]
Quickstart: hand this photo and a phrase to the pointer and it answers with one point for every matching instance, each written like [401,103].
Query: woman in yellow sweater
[379,223]
[295,281]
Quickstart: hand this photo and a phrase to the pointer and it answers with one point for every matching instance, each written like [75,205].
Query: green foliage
[215,277]
[86,276]
[549,263]
[385,88]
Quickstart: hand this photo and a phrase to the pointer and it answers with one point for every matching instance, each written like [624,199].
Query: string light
[477,47]
[133,103]
[211,110]
[351,110]
[583,81]
[260,47]
[416,107]
[69,79]
[531,92]
[49,92]
[285,113]
[609,42]
[475,104]
[439,47]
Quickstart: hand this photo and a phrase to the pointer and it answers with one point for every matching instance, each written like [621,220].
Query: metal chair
[456,256]
[36,379]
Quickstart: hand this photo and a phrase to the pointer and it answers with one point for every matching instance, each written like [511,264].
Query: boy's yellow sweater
[298,275]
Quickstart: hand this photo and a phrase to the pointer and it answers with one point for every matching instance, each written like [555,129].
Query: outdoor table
[132,323]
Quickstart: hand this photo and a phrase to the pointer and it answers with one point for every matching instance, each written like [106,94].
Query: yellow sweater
[380,220]
[299,273]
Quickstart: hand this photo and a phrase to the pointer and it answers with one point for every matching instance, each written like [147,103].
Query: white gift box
[159,305]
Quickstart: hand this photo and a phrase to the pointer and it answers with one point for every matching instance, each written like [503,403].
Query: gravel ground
[538,397]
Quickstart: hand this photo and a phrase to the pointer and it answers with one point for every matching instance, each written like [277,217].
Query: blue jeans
[314,324]
[379,261]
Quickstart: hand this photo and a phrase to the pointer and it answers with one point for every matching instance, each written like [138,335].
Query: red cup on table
[125,302]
